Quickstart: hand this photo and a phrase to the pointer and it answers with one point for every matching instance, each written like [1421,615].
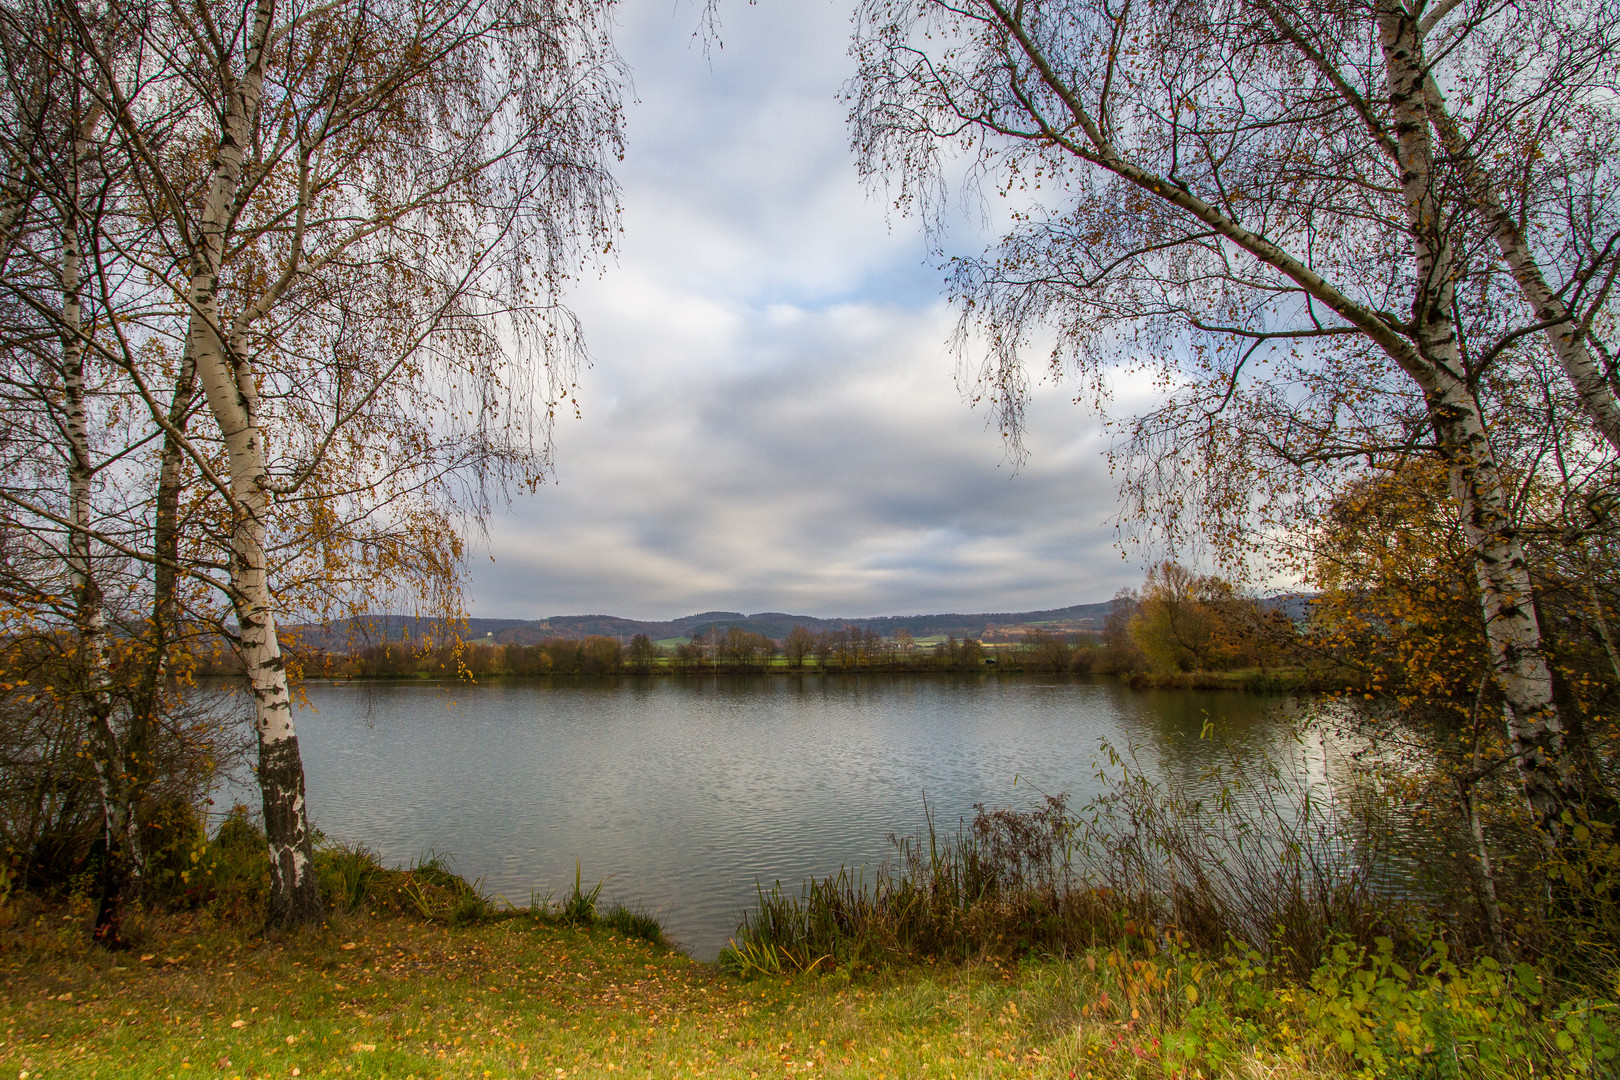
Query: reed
[578,908]
[1002,886]
[1246,852]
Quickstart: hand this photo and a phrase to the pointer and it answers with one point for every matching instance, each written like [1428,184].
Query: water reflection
[685,793]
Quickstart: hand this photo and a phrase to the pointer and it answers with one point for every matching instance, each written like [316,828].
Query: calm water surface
[685,793]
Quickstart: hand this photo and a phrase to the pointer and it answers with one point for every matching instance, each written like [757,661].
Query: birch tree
[1279,215]
[67,486]
[370,269]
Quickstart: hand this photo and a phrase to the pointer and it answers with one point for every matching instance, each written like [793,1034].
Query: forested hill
[772,624]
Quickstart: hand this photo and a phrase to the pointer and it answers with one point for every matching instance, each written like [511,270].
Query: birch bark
[1566,335]
[119,850]
[229,386]
[1535,731]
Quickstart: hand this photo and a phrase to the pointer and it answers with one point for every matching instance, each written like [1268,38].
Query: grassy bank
[401,997]
[985,953]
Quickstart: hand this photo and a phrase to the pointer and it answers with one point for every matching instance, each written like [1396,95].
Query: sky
[773,420]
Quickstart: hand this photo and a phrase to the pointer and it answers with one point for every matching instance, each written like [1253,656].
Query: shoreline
[1279,683]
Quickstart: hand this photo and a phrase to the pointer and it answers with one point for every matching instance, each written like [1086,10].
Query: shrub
[174,845]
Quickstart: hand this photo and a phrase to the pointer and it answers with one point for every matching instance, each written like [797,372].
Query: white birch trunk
[1566,336]
[229,386]
[1534,729]
[120,849]
[12,208]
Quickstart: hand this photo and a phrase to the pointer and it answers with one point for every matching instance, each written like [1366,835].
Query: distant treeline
[1178,629]
[731,651]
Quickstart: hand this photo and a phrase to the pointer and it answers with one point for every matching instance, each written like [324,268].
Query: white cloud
[772,422]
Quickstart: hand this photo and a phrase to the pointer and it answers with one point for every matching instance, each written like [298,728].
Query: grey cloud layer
[772,421]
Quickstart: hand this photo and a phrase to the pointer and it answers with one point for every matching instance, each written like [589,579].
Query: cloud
[772,421]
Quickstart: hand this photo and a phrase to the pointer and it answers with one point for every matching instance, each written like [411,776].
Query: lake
[685,793]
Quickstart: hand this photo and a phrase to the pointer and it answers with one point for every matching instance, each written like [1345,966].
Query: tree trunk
[94,689]
[229,385]
[1534,730]
[1566,336]
[146,700]
[1484,875]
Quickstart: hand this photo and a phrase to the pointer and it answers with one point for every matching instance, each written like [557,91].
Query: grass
[514,997]
[977,955]
[401,997]
[1243,933]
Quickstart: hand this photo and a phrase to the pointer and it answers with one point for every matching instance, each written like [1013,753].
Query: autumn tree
[798,644]
[964,655]
[1195,622]
[1389,562]
[744,648]
[1330,231]
[91,509]
[601,655]
[642,653]
[359,219]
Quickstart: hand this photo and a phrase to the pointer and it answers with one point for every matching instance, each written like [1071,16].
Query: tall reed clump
[1003,885]
[1249,850]
[1243,852]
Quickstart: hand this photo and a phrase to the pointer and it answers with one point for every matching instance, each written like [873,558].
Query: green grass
[514,997]
[955,968]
